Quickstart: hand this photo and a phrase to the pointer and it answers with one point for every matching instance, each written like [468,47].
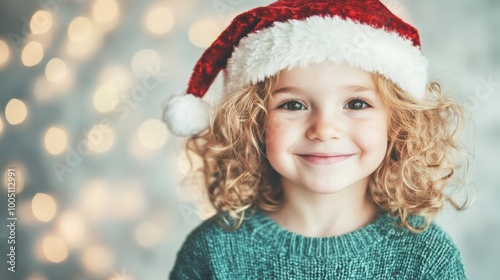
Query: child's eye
[292,106]
[357,104]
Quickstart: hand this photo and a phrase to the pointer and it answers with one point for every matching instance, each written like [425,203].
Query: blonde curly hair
[411,180]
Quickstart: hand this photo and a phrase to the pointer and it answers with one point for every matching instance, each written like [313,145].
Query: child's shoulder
[433,236]
[432,245]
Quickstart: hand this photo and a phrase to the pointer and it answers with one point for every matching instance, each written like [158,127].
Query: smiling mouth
[324,159]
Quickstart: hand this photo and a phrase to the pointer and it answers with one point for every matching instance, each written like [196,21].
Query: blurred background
[99,192]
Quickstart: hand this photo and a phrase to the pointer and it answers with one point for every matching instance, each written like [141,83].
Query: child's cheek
[373,137]
[276,129]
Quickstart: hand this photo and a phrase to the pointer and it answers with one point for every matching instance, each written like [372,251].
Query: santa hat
[263,41]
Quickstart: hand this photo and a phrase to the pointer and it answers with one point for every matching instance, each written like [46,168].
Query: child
[329,154]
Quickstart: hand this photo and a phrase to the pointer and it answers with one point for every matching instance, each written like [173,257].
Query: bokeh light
[72,228]
[148,234]
[41,22]
[56,140]
[97,260]
[121,276]
[144,60]
[54,249]
[20,179]
[94,199]
[153,134]
[80,30]
[44,90]
[36,276]
[159,20]
[4,53]
[44,207]
[81,51]
[55,70]
[15,111]
[105,99]
[101,138]
[105,14]
[117,76]
[139,152]
[32,54]
[128,201]
[203,33]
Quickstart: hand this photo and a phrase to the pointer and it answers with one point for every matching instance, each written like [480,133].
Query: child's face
[327,128]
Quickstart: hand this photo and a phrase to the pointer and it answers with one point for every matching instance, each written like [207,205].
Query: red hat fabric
[263,41]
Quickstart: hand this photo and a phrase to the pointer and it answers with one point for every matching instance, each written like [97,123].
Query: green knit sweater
[261,249]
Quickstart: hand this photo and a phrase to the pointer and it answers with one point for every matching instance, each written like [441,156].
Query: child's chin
[327,188]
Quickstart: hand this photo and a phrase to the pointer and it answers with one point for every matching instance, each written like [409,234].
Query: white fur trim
[186,115]
[316,39]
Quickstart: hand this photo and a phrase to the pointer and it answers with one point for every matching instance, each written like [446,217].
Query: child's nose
[325,126]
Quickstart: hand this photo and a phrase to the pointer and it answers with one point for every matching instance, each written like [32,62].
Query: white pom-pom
[186,115]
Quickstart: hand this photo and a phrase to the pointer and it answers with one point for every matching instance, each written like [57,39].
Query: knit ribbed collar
[284,242]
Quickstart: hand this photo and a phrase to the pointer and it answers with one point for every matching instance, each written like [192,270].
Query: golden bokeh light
[41,22]
[94,199]
[36,276]
[54,249]
[159,20]
[144,60]
[44,207]
[4,53]
[72,228]
[105,99]
[128,202]
[117,76]
[44,89]
[56,140]
[80,30]
[120,276]
[153,134]
[20,180]
[82,51]
[15,111]
[139,152]
[148,234]
[55,70]
[97,260]
[185,164]
[105,14]
[32,54]
[203,33]
[106,138]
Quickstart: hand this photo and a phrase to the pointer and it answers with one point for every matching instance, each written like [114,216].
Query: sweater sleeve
[191,262]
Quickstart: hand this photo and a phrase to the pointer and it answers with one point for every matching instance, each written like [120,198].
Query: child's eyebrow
[287,90]
[358,88]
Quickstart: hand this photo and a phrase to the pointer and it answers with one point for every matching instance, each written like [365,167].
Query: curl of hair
[422,153]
